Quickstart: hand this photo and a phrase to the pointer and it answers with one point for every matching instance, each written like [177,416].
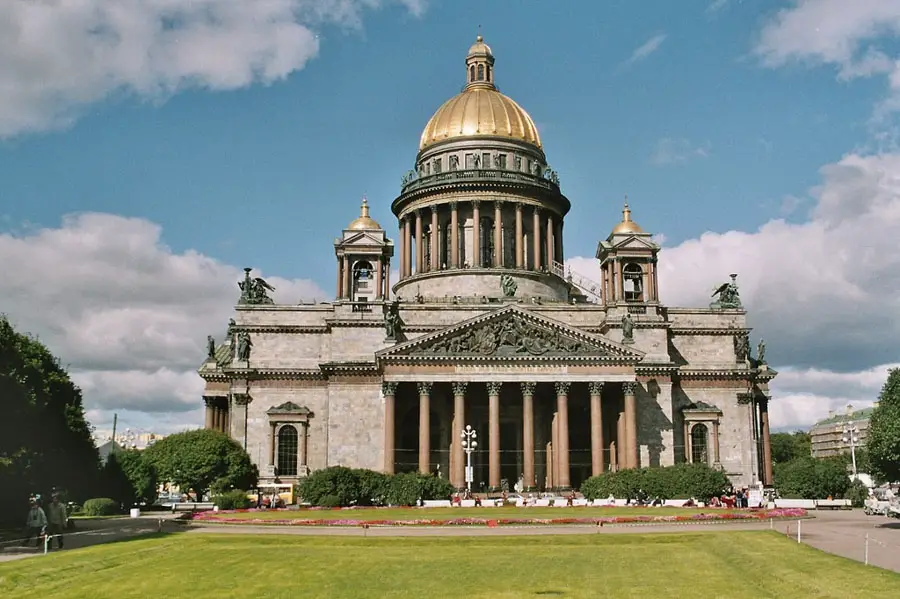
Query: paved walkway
[840,532]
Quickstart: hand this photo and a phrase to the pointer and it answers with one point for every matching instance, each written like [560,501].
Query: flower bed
[703,516]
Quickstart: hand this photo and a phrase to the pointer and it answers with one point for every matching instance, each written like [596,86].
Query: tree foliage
[811,478]
[681,481]
[45,440]
[883,441]
[789,446]
[130,478]
[340,486]
[202,460]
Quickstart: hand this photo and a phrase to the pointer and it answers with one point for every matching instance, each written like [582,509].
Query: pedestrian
[35,523]
[56,520]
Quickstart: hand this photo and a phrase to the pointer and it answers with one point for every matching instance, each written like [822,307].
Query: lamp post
[851,436]
[469,444]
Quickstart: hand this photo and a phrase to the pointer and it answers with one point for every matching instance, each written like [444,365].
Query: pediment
[362,238]
[288,408]
[633,242]
[512,333]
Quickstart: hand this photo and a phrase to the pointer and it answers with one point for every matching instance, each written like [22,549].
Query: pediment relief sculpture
[288,407]
[509,337]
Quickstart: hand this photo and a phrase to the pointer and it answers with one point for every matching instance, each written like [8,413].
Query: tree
[134,477]
[45,440]
[202,460]
[788,446]
[811,478]
[883,440]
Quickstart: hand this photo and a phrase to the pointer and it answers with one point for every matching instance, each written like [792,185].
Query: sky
[151,149]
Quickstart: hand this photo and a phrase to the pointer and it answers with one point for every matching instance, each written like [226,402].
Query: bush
[681,481]
[100,506]
[232,500]
[811,478]
[341,487]
[857,493]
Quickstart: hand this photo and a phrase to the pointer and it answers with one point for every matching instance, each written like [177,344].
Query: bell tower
[628,264]
[363,260]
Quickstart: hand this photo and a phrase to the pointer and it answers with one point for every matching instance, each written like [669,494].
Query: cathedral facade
[560,377]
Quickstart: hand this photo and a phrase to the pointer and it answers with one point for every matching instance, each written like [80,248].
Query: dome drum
[483,285]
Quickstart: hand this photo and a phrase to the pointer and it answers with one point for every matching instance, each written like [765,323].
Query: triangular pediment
[512,332]
[363,239]
[288,408]
[634,242]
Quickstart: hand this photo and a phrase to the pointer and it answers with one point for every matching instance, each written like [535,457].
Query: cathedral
[487,350]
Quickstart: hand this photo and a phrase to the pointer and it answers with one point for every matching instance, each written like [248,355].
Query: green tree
[140,474]
[809,478]
[883,441]
[45,440]
[789,446]
[202,460]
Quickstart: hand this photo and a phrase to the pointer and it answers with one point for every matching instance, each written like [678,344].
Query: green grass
[713,564]
[448,513]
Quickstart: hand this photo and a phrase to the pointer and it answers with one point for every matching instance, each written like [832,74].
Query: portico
[545,399]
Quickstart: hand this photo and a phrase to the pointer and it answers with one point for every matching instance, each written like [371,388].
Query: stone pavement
[839,532]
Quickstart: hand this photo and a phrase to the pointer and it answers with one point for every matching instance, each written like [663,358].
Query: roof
[864,414]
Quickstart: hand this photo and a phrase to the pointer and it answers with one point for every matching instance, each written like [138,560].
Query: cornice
[723,331]
[526,359]
[282,328]
[707,374]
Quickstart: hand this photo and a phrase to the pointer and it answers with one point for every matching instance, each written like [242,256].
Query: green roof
[856,415]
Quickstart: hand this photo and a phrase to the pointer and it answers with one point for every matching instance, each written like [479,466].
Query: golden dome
[627,225]
[364,222]
[480,110]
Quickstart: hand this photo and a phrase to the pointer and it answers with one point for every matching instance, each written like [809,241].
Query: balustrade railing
[474,175]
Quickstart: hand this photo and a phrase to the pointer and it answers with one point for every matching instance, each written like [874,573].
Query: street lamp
[469,444]
[851,436]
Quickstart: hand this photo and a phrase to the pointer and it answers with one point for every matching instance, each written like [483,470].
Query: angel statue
[253,291]
[210,347]
[728,295]
[761,351]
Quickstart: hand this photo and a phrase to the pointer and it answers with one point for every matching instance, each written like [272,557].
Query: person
[56,520]
[35,522]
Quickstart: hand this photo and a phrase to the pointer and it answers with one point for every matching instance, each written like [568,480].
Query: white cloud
[838,33]
[646,49]
[128,316]
[58,57]
[670,151]
[822,293]
[716,6]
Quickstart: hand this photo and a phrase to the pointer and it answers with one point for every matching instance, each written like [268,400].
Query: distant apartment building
[830,437]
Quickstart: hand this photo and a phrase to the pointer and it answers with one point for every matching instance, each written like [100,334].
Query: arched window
[633,282]
[481,72]
[699,444]
[287,450]
[489,72]
[472,73]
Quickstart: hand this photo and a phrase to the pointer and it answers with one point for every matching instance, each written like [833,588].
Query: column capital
[596,388]
[518,207]
[537,210]
[454,205]
[209,400]
[476,203]
[459,389]
[629,387]
[562,387]
[388,388]
[424,388]
[434,208]
[528,389]
[241,399]
[493,387]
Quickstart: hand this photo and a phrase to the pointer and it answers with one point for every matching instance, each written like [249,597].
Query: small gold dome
[480,110]
[627,225]
[364,222]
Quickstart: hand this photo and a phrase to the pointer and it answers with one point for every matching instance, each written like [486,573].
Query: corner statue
[253,291]
[508,285]
[392,322]
[761,352]
[627,329]
[210,347]
[729,298]
[243,346]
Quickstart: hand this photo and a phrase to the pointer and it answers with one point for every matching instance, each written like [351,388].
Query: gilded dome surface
[480,111]
[627,225]
[364,222]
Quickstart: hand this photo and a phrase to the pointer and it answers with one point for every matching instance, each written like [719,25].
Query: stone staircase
[583,289]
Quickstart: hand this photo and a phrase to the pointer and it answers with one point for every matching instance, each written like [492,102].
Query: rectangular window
[485,160]
[502,160]
[470,161]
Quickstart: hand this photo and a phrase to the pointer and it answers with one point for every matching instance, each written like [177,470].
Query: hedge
[339,486]
[232,500]
[681,481]
[100,506]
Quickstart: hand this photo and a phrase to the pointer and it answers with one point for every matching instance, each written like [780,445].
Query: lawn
[236,566]
[450,513]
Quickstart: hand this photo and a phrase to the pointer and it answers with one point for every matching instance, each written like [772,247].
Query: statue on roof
[729,297]
[210,347]
[742,346]
[761,351]
[244,344]
[627,328]
[508,285]
[392,321]
[253,290]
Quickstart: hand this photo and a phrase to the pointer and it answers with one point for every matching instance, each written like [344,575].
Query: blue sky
[753,137]
[274,172]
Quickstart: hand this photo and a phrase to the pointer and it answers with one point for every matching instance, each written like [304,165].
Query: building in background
[562,377]
[125,439]
[831,436]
